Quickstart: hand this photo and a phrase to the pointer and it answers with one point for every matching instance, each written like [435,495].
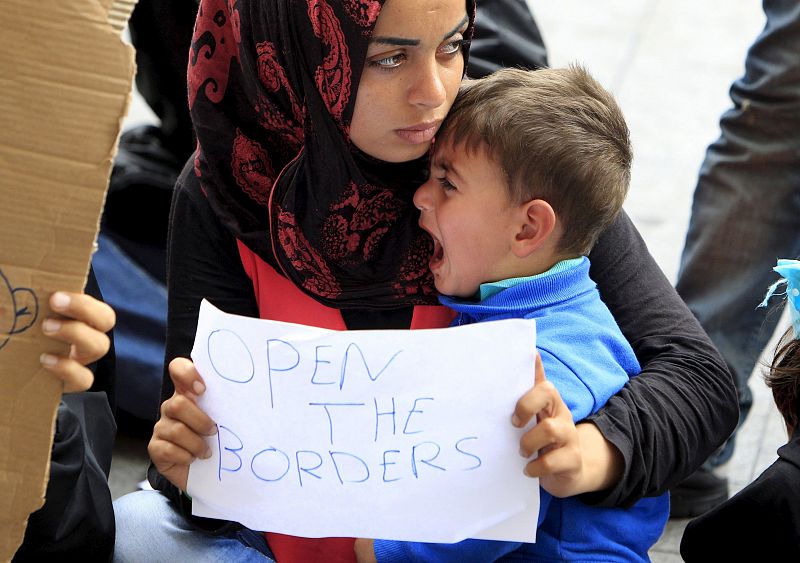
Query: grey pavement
[670,64]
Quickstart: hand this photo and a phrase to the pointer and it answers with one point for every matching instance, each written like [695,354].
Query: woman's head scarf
[272,87]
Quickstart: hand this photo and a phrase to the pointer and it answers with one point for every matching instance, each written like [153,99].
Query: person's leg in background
[745,215]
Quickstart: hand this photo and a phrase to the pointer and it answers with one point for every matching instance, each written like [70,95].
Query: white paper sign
[391,434]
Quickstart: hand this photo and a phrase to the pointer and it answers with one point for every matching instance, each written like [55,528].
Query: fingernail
[523,453]
[515,420]
[198,387]
[48,360]
[526,472]
[51,325]
[60,300]
[206,454]
[213,431]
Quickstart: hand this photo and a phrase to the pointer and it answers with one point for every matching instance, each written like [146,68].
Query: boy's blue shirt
[486,290]
[587,358]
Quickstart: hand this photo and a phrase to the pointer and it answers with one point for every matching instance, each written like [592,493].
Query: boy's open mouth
[438,254]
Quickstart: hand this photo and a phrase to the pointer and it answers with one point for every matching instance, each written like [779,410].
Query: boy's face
[466,209]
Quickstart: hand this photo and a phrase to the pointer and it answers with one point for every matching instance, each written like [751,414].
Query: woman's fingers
[548,434]
[182,435]
[183,409]
[185,377]
[541,400]
[170,460]
[558,461]
[76,376]
[178,438]
[83,308]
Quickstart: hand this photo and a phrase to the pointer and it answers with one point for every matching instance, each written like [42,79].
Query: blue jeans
[150,528]
[746,210]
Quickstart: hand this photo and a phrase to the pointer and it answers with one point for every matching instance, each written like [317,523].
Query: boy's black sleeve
[77,519]
[670,418]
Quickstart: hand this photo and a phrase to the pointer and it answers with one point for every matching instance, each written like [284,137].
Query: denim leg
[149,528]
[746,210]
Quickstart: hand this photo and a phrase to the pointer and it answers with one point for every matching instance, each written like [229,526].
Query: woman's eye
[453,47]
[445,183]
[392,61]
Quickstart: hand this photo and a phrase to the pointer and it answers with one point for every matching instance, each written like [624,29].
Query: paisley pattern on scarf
[252,168]
[363,12]
[272,88]
[415,276]
[213,49]
[356,225]
[316,276]
[273,77]
[333,77]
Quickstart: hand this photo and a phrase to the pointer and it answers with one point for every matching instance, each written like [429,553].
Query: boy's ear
[538,220]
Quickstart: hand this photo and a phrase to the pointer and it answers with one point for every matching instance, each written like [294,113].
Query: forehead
[416,17]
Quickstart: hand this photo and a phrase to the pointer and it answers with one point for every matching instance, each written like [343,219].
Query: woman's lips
[420,133]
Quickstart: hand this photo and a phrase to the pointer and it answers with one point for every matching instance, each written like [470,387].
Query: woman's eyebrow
[401,41]
[457,28]
[404,42]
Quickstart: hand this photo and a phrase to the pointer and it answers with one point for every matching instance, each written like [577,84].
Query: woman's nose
[428,89]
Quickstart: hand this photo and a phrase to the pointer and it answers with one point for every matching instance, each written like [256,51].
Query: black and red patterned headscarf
[272,87]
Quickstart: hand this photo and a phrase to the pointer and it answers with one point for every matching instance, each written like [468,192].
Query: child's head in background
[783,378]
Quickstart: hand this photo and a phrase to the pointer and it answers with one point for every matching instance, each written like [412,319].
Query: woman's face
[411,76]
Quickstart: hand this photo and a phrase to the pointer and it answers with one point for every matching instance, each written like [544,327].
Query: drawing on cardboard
[19,309]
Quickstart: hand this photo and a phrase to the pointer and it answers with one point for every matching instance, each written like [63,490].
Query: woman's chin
[398,154]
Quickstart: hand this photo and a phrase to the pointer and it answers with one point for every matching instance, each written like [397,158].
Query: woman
[314,120]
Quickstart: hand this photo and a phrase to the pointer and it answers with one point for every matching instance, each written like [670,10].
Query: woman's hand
[365,551]
[573,459]
[178,435]
[82,322]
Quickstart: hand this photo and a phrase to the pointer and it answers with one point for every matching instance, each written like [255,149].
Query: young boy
[763,519]
[528,169]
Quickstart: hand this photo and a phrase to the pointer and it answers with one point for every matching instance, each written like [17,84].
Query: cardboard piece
[65,83]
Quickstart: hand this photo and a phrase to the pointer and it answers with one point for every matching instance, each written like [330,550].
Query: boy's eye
[445,183]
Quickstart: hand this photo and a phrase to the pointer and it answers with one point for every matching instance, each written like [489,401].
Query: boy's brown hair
[783,378]
[557,135]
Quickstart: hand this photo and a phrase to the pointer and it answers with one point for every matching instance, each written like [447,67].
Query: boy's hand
[82,322]
[365,551]
[178,435]
[572,459]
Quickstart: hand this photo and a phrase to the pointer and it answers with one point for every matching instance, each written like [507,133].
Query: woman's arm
[666,421]
[202,262]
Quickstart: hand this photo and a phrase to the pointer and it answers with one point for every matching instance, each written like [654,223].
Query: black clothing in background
[506,35]
[161,31]
[76,522]
[760,523]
